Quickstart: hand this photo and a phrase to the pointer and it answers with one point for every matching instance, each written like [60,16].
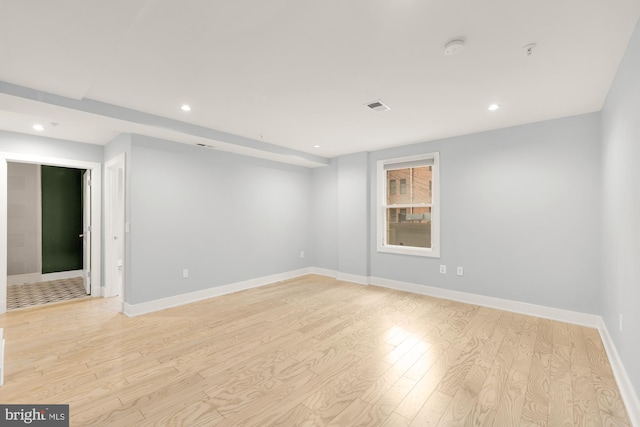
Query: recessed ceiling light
[454,47]
[494,107]
[316,146]
[38,127]
[185,107]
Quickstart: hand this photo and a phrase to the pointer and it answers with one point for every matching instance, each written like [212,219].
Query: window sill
[405,250]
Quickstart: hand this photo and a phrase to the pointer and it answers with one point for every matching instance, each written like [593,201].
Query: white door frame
[111,214]
[96,207]
[87,230]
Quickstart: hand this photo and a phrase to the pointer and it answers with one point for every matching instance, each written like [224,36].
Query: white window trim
[434,251]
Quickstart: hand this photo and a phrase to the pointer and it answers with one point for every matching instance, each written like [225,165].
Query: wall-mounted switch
[443,269]
[185,273]
[460,271]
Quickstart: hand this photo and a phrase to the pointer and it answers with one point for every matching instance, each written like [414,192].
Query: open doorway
[48,244]
[88,240]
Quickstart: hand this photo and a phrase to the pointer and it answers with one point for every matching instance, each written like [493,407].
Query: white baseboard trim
[345,277]
[583,319]
[132,310]
[323,272]
[23,279]
[62,275]
[353,278]
[629,396]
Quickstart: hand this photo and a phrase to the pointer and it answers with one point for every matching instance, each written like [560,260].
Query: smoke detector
[378,106]
[528,49]
[454,47]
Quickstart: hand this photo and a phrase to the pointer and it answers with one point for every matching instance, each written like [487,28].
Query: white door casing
[86,231]
[115,227]
[96,220]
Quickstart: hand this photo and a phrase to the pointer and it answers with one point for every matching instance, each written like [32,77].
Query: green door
[61,219]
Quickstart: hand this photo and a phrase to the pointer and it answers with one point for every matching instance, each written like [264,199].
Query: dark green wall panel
[61,219]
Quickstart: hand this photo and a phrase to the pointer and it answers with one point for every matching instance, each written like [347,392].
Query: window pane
[421,184]
[412,229]
[393,198]
[415,186]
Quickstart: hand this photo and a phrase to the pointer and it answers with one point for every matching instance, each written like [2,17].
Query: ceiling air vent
[378,106]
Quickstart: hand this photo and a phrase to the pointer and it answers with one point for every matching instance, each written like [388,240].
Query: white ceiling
[298,73]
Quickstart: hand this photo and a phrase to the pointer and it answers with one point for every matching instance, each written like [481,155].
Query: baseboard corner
[629,395]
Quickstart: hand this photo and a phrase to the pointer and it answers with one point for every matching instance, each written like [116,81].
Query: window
[392,215]
[408,220]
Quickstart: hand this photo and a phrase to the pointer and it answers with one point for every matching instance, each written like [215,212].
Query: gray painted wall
[118,145]
[324,216]
[519,212]
[225,217]
[621,209]
[49,147]
[353,214]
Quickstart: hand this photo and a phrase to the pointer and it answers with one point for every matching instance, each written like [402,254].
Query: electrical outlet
[185,273]
[460,271]
[301,254]
[443,269]
[620,325]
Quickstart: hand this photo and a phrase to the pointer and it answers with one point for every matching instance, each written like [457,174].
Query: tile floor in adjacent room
[21,296]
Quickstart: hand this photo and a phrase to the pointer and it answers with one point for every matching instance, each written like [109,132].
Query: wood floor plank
[465,408]
[415,399]
[536,404]
[299,415]
[358,414]
[610,402]
[385,405]
[585,406]
[497,378]
[511,402]
[305,352]
[396,420]
[432,410]
[560,390]
[192,414]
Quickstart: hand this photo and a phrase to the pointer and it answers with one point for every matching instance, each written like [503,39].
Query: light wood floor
[309,351]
